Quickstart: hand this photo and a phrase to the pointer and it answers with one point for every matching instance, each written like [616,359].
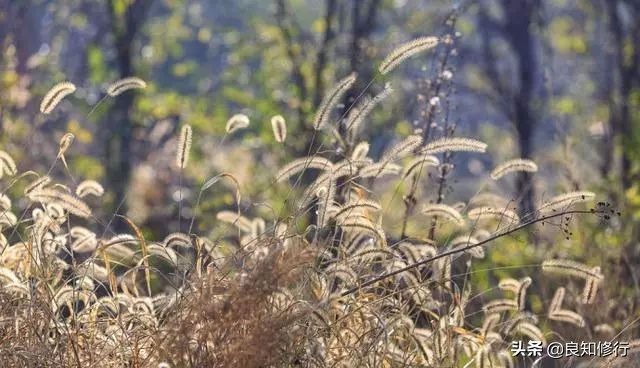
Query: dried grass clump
[248,321]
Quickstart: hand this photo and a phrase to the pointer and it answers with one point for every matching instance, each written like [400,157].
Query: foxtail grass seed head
[237,122]
[402,148]
[241,222]
[405,51]
[360,151]
[89,187]
[279,126]
[567,316]
[500,305]
[591,288]
[445,211]
[521,294]
[70,203]
[454,145]
[301,164]
[7,165]
[55,95]
[184,147]
[490,322]
[509,284]
[531,331]
[39,183]
[556,301]
[359,113]
[125,84]
[513,166]
[65,143]
[567,200]
[490,199]
[419,164]
[504,215]
[379,169]
[5,203]
[570,268]
[330,101]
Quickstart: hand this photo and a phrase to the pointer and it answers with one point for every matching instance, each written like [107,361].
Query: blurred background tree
[553,80]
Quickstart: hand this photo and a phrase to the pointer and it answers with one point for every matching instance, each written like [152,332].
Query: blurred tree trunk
[515,98]
[292,46]
[323,51]
[311,88]
[519,17]
[16,29]
[363,23]
[25,40]
[126,26]
[624,78]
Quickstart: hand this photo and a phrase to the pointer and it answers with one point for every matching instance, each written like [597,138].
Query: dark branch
[462,250]
[321,58]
